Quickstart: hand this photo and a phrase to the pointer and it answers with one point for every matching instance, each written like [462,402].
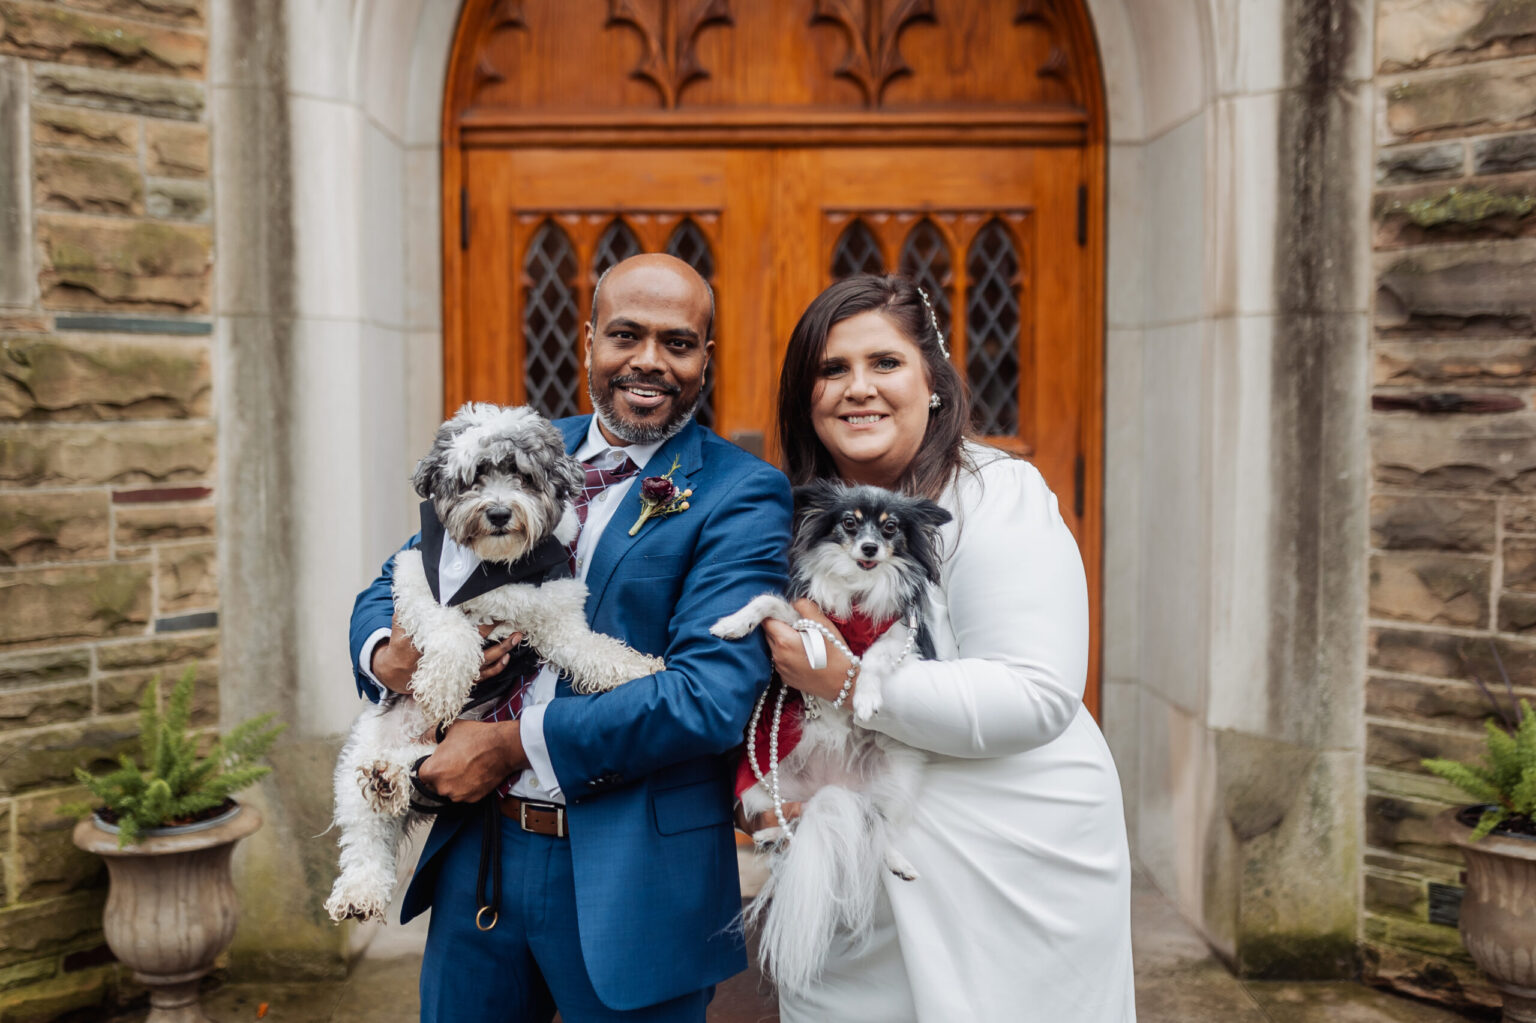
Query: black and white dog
[866,557]
[499,482]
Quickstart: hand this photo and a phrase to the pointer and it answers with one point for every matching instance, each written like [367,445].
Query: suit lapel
[575,431]
[616,543]
[431,546]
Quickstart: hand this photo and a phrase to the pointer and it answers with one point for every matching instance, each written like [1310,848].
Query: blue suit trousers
[518,970]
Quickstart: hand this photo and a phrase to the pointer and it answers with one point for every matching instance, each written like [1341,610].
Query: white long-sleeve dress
[1022,910]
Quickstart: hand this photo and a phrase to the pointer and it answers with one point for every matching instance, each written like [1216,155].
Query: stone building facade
[220,344]
[108,536]
[1453,444]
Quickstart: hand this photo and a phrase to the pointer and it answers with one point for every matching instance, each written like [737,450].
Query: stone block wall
[1453,445]
[107,441]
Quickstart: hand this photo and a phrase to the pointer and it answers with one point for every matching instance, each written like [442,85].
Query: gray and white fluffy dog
[501,484]
[875,552]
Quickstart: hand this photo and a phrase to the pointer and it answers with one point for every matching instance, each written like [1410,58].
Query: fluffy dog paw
[899,865]
[735,626]
[867,700]
[386,787]
[348,902]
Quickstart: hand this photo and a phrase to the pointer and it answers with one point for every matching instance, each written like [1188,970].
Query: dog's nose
[871,549]
[499,517]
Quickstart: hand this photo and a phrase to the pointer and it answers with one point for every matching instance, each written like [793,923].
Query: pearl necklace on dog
[811,710]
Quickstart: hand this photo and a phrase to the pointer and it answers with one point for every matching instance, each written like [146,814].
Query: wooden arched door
[779,146]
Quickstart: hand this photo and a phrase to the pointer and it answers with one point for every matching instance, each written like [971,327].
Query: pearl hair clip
[934,319]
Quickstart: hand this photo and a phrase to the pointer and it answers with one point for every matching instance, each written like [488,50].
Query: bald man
[608,815]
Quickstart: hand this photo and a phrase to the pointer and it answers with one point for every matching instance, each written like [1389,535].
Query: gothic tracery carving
[669,31]
[874,30]
[1057,64]
[503,15]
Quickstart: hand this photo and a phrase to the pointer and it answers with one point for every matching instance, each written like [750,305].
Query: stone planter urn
[171,907]
[1498,913]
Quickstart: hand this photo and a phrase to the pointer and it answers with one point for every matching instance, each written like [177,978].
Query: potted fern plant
[166,826]
[1497,837]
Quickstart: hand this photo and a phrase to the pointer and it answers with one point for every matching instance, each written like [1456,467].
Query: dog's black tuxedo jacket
[550,560]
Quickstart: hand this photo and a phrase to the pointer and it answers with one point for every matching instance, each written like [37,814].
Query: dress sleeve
[1018,606]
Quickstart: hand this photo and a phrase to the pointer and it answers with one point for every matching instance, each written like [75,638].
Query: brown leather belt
[539,818]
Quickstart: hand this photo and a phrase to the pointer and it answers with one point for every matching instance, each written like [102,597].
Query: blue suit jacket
[644,768]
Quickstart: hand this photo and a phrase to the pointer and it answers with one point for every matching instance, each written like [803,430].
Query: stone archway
[330,324]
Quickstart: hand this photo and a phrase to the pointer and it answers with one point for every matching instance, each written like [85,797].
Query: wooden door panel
[1027,197]
[699,208]
[959,143]
[1033,196]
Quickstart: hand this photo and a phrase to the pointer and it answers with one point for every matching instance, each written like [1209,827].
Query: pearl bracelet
[807,624]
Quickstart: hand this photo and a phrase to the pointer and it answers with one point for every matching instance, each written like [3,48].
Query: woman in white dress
[1022,908]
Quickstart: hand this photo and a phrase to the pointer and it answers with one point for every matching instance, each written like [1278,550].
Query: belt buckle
[522,816]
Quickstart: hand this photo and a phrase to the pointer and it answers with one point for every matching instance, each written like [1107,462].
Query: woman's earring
[934,401]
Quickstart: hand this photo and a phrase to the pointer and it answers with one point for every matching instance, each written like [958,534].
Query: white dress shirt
[455,565]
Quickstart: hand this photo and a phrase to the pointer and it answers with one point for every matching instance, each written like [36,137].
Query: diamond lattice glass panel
[925,259]
[689,244]
[550,322]
[856,252]
[617,244]
[992,331]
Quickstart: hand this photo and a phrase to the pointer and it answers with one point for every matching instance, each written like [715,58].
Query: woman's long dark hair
[897,298]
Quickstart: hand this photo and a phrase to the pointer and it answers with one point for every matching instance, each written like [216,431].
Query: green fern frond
[1507,777]
[1522,798]
[149,722]
[1525,734]
[175,782]
[1471,779]
[1503,755]
[178,710]
[1490,820]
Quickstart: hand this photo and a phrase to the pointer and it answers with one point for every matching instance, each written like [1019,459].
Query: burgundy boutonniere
[660,496]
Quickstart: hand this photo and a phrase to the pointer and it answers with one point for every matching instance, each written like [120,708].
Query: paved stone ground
[1177,981]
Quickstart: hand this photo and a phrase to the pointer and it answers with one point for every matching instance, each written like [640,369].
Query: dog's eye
[849,522]
[889,529]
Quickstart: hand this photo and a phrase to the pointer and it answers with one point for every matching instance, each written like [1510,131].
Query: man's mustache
[646,382]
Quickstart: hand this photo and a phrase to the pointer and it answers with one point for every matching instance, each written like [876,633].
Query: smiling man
[643,390]
[612,811]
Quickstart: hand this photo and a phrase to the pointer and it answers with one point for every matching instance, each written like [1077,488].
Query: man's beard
[641,432]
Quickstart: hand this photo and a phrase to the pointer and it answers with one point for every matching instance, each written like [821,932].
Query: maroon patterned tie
[597,480]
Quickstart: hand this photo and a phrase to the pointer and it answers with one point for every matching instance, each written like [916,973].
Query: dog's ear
[430,469]
[929,514]
[817,496]
[922,519]
[421,479]
[568,475]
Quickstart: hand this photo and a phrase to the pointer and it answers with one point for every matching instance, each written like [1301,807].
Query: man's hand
[394,659]
[473,758]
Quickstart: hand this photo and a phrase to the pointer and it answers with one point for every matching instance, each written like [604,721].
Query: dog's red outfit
[859,632]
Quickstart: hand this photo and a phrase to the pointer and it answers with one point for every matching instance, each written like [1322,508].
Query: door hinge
[464,218]
[1078,469]
[1082,214]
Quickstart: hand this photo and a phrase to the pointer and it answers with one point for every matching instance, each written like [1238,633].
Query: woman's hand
[788,653]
